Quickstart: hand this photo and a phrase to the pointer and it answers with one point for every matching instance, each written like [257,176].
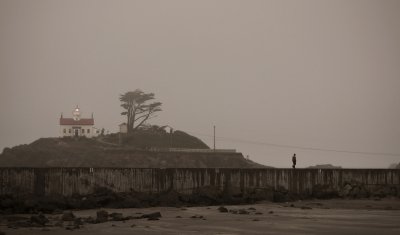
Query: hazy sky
[319,74]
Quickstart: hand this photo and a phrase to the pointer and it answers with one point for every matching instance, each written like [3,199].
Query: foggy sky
[320,74]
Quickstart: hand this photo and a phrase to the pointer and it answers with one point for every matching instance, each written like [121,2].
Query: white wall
[92,133]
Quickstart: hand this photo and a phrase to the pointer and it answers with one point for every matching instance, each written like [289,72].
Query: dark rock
[324,191]
[102,216]
[280,196]
[152,216]
[40,219]
[117,216]
[259,194]
[258,213]
[251,209]
[59,224]
[78,222]
[57,212]
[178,216]
[89,220]
[345,191]
[68,216]
[15,218]
[222,209]
[306,208]
[271,212]
[243,212]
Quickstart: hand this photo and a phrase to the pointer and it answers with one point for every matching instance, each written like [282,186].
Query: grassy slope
[83,152]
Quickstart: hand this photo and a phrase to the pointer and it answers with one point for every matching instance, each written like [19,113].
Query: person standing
[294,161]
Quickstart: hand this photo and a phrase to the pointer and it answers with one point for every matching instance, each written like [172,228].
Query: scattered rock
[40,219]
[233,211]
[89,220]
[78,222]
[271,212]
[291,205]
[68,216]
[117,217]
[251,209]
[243,212]
[133,225]
[256,220]
[222,209]
[152,216]
[258,213]
[306,208]
[102,216]
[59,224]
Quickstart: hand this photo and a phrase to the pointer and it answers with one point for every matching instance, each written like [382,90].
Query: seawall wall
[82,181]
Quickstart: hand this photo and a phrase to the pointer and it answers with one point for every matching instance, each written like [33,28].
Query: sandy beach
[301,217]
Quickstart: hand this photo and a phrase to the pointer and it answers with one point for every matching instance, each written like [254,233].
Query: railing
[201,150]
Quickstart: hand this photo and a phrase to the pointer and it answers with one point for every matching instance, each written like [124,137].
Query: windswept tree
[138,109]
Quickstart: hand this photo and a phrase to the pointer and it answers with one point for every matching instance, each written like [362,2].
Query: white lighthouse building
[77,126]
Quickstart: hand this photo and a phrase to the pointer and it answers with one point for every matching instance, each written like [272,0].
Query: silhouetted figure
[294,161]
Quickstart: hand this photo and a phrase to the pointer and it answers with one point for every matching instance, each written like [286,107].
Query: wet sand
[302,217]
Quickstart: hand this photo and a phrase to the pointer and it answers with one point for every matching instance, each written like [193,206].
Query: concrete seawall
[82,181]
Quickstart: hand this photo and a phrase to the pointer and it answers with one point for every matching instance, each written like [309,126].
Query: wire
[298,147]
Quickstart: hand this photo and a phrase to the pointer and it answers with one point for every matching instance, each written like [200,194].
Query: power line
[299,147]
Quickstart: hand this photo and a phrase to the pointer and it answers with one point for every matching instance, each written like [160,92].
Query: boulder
[117,217]
[101,216]
[68,216]
[152,216]
[222,209]
[40,219]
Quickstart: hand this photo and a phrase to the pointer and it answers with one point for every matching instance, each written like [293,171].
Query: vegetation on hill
[394,166]
[156,137]
[144,149]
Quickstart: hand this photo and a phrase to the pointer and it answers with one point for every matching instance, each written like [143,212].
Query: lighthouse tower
[78,126]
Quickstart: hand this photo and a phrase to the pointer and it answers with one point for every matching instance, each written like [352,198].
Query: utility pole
[214,138]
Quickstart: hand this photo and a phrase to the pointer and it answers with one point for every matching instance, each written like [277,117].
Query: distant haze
[319,74]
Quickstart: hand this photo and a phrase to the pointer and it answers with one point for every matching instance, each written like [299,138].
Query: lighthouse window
[69,131]
[83,131]
[88,131]
[65,131]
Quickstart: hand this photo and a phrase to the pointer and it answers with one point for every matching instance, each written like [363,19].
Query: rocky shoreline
[205,196]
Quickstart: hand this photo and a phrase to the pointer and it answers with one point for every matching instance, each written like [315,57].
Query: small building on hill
[77,126]
[123,128]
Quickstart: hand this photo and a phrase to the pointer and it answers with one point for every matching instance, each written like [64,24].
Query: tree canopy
[138,108]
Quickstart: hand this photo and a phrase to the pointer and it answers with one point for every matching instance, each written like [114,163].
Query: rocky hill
[325,166]
[144,150]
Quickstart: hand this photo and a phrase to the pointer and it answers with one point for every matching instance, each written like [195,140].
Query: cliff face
[67,152]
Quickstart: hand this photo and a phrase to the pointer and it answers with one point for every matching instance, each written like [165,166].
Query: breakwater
[83,181]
